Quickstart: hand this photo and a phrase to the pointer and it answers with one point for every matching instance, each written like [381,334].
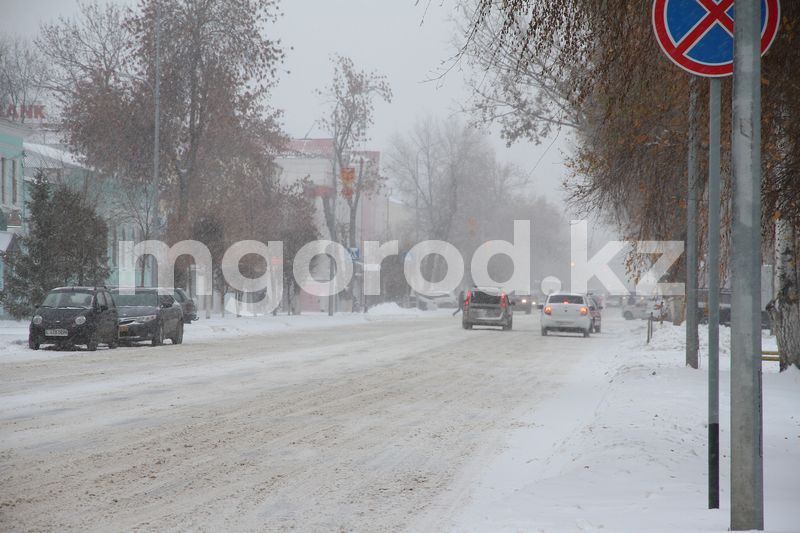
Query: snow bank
[14,335]
[392,309]
[622,447]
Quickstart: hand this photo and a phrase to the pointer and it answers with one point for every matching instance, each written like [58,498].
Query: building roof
[45,156]
[309,147]
[6,240]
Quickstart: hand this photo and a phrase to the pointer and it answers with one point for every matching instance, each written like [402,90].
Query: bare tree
[460,192]
[523,94]
[351,97]
[90,47]
[217,68]
[23,76]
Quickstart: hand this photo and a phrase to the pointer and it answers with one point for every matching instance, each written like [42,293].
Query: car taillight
[584,311]
[503,301]
[548,310]
[467,297]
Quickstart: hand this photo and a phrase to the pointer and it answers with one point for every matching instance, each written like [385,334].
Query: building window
[14,181]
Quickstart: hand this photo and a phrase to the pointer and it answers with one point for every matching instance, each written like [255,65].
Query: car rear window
[566,299]
[481,297]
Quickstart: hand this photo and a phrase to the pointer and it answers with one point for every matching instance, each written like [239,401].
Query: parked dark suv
[75,315]
[147,315]
[187,305]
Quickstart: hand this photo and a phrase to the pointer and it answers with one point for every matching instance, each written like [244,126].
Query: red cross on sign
[697,35]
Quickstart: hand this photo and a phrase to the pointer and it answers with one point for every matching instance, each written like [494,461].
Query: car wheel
[508,326]
[586,332]
[33,342]
[544,332]
[158,336]
[114,342]
[628,315]
[466,325]
[178,338]
[91,344]
[597,329]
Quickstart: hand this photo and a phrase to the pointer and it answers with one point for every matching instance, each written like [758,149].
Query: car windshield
[566,299]
[68,299]
[140,299]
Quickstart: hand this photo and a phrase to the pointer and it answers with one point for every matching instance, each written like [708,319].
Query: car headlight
[37,320]
[80,320]
[146,318]
[524,300]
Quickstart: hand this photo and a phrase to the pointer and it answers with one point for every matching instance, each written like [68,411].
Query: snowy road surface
[377,424]
[356,427]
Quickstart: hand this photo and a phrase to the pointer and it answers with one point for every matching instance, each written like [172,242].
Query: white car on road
[566,312]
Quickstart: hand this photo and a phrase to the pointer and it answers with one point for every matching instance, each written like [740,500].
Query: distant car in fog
[436,300]
[595,309]
[642,307]
[524,302]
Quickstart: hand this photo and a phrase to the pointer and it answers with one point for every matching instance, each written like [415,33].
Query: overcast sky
[395,37]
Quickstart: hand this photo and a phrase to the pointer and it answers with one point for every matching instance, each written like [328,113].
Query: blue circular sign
[697,35]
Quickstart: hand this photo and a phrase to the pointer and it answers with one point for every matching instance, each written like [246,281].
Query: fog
[411,44]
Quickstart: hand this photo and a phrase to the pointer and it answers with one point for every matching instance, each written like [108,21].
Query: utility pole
[331,262]
[157,97]
[713,290]
[691,231]
[156,133]
[747,475]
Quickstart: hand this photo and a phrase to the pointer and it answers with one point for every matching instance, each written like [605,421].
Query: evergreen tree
[66,244]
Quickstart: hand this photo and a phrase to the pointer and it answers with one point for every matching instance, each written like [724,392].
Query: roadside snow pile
[13,334]
[669,342]
[391,309]
[621,446]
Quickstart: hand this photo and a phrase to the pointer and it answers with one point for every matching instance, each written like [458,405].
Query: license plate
[56,332]
[123,329]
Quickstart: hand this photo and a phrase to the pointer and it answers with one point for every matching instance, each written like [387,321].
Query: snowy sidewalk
[622,447]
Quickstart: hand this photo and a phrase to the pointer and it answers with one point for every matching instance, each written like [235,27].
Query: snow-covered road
[375,423]
[353,427]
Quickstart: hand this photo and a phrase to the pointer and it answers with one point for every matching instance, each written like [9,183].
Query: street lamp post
[157,118]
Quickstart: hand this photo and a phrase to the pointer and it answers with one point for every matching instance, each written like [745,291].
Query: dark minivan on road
[487,306]
[147,315]
[71,316]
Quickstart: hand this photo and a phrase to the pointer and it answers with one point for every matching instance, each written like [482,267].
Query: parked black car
[187,305]
[147,315]
[71,316]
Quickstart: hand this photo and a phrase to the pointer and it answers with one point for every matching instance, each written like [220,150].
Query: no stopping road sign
[697,35]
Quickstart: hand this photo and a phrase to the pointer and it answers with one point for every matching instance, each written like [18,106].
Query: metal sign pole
[713,291]
[747,475]
[691,232]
